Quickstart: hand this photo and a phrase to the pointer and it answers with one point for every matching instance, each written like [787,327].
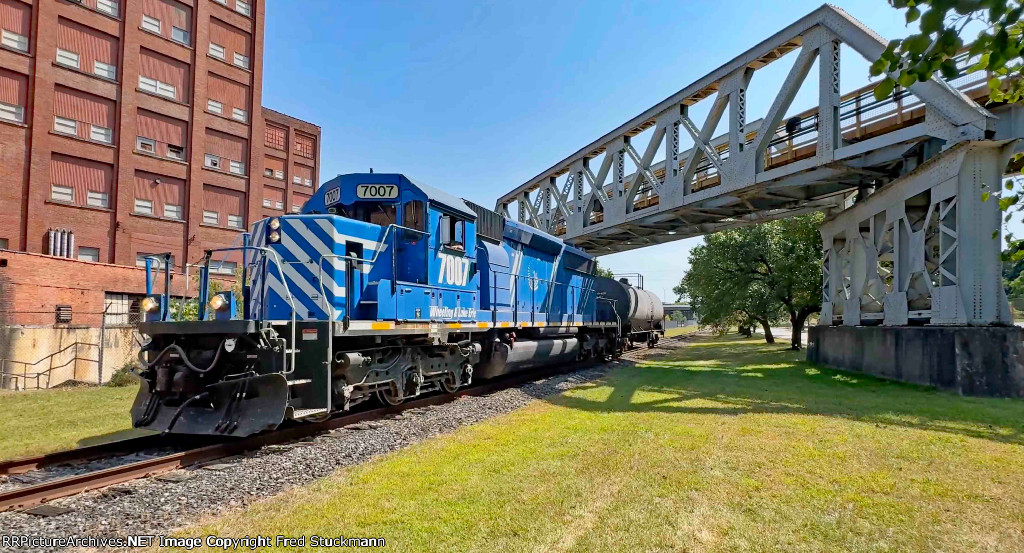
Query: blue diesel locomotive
[381,287]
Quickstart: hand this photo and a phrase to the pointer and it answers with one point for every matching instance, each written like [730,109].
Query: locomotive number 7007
[377,191]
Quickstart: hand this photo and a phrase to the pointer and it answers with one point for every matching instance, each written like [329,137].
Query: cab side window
[414,215]
[453,233]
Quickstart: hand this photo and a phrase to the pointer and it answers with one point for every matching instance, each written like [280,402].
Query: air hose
[184,358]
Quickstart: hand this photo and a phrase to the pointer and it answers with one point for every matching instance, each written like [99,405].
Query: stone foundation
[980,361]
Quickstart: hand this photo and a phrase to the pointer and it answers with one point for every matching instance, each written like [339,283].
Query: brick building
[137,125]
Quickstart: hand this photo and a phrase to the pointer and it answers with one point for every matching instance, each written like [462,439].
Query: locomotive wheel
[450,383]
[389,396]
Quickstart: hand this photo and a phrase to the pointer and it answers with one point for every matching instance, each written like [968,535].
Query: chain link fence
[78,348]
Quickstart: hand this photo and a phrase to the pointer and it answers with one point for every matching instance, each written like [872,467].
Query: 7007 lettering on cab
[454,270]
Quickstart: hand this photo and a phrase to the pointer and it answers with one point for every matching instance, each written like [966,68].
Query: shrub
[125,376]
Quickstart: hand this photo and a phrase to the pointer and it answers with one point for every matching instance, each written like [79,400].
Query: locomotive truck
[380,287]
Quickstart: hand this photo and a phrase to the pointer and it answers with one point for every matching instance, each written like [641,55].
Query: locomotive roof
[441,197]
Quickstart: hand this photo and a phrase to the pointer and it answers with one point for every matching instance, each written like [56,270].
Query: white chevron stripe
[369,246]
[323,250]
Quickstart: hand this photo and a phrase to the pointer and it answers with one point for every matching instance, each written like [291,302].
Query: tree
[761,274]
[933,48]
[601,271]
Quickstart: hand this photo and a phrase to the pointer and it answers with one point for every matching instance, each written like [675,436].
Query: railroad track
[29,496]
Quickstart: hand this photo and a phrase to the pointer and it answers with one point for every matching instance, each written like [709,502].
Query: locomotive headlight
[149,305]
[275,237]
[275,223]
[218,303]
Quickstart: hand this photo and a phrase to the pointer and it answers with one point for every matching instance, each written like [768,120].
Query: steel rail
[86,453]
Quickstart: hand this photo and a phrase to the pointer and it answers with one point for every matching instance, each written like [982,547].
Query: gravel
[156,506]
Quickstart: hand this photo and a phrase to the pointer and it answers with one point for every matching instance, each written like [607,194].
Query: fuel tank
[639,309]
[527,354]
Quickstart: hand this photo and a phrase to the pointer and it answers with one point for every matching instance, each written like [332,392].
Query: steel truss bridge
[919,236]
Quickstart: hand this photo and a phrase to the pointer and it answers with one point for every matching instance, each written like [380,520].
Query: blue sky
[478,97]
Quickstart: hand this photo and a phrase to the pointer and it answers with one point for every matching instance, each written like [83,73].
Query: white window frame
[104,70]
[101,134]
[85,253]
[241,60]
[166,90]
[59,193]
[308,182]
[180,35]
[68,58]
[239,114]
[236,167]
[149,85]
[279,205]
[97,199]
[11,112]
[180,155]
[222,2]
[213,106]
[267,202]
[108,7]
[63,125]
[296,179]
[243,8]
[235,221]
[211,218]
[140,141]
[152,24]
[13,40]
[143,207]
[296,208]
[212,161]
[172,211]
[279,174]
[217,51]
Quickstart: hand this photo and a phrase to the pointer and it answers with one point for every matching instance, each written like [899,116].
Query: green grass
[680,330]
[727,445]
[37,422]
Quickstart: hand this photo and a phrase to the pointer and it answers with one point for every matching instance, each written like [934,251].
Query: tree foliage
[757,275]
[602,271]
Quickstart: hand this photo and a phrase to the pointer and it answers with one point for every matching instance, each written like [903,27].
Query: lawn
[725,445]
[680,330]
[36,422]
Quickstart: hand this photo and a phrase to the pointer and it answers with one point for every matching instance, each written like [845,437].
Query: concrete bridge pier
[912,282]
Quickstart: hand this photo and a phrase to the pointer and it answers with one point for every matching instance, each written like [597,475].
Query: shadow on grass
[738,376]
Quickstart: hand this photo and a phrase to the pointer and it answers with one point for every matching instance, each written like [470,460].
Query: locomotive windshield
[375,213]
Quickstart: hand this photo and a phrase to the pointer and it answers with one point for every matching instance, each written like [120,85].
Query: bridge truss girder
[598,207]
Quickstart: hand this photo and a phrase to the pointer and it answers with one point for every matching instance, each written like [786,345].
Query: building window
[279,174]
[267,202]
[60,193]
[14,40]
[108,7]
[222,2]
[223,267]
[235,221]
[309,182]
[211,218]
[88,254]
[11,112]
[151,24]
[304,147]
[242,7]
[97,199]
[212,161]
[157,260]
[279,205]
[172,211]
[104,70]
[241,61]
[4,244]
[269,172]
[143,207]
[147,145]
[64,125]
[217,51]
[66,58]
[215,107]
[297,179]
[296,208]
[102,134]
[176,152]
[159,88]
[180,35]
[274,137]
[236,167]
[238,114]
